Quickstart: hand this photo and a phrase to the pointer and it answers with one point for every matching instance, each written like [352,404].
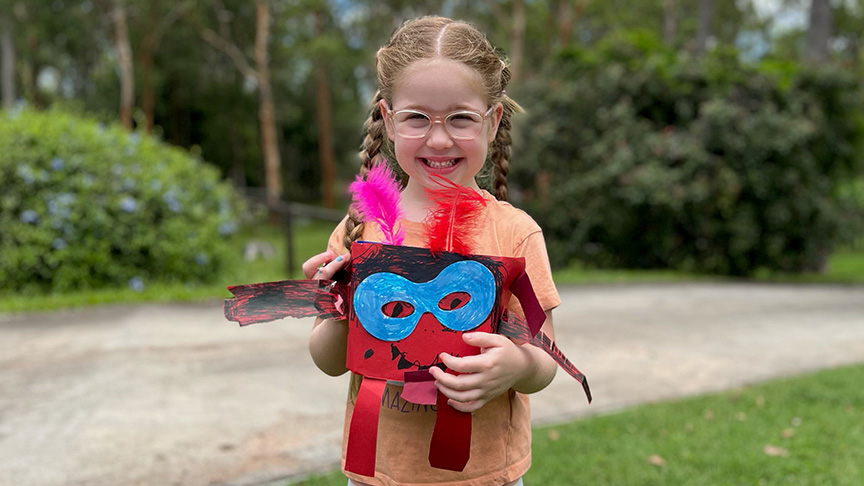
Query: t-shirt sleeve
[533,249]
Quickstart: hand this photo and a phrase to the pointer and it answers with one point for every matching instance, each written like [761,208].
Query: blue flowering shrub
[85,205]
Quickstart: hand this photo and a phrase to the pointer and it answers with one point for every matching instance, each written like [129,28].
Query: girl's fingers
[327,270]
[310,266]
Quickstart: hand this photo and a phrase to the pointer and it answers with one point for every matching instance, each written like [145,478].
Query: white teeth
[440,165]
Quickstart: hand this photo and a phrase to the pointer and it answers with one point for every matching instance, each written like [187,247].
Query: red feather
[456,219]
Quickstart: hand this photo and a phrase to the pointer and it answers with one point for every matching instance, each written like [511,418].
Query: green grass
[807,430]
[844,267]
[578,274]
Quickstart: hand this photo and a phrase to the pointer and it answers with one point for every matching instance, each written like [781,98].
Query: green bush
[654,159]
[85,205]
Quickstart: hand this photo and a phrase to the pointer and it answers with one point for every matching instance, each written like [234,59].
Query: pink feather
[456,218]
[377,199]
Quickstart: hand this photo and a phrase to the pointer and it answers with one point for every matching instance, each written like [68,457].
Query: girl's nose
[438,137]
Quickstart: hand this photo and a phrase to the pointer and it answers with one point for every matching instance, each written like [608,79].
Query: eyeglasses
[460,125]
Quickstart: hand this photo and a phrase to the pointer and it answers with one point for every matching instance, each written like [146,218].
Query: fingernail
[339,258]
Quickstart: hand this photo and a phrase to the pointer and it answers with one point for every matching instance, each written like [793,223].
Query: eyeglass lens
[460,124]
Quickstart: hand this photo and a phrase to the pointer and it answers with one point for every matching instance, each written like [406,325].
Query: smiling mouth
[440,163]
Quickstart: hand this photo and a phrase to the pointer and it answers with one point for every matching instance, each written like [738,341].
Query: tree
[156,26]
[819,32]
[325,125]
[706,19]
[517,33]
[260,76]
[670,22]
[124,61]
[7,63]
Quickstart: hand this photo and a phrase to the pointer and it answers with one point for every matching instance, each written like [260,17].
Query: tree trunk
[266,111]
[820,31]
[7,63]
[325,125]
[706,19]
[517,40]
[124,60]
[325,130]
[670,22]
[569,12]
[565,22]
[29,65]
[147,53]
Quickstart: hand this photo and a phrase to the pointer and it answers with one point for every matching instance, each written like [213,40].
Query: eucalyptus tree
[250,56]
[7,60]
[819,31]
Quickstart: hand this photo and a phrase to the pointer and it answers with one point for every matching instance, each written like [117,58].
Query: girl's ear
[495,118]
[385,114]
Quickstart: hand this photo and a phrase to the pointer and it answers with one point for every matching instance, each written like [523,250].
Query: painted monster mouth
[403,363]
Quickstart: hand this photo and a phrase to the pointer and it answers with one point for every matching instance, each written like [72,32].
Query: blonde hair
[437,38]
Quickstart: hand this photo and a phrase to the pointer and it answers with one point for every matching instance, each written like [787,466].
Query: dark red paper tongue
[451,438]
[420,388]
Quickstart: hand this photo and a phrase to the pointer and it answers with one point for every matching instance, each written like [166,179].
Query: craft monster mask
[404,306]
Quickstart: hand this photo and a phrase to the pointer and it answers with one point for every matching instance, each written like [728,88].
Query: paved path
[175,395]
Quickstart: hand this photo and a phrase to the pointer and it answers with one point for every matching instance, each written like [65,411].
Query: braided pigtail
[499,151]
[499,154]
[370,156]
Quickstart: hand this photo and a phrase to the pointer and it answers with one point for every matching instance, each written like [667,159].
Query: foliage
[307,241]
[666,161]
[85,205]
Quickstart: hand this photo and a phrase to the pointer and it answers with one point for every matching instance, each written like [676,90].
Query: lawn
[807,430]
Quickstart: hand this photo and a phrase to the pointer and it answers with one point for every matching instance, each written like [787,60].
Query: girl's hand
[501,365]
[329,339]
[324,265]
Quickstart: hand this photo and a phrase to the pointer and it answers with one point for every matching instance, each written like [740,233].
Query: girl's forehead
[438,85]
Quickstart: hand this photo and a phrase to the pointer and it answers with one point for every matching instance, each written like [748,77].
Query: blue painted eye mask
[385,289]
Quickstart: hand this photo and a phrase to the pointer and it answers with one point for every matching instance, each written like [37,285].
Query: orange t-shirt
[501,430]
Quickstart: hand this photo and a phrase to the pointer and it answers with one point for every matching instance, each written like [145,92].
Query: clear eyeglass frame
[404,131]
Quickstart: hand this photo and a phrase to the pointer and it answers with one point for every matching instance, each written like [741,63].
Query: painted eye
[397,309]
[454,301]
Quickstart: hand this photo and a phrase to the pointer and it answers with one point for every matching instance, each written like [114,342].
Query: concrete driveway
[175,395]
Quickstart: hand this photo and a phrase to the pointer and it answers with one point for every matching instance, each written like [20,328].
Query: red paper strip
[534,313]
[420,388]
[363,431]
[268,301]
[514,326]
[450,447]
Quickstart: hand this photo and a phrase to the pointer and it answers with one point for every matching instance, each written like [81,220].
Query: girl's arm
[502,364]
[328,345]
[328,342]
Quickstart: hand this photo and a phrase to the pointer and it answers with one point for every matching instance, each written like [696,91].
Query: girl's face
[440,87]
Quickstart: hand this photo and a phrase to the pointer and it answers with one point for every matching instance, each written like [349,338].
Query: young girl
[441,102]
